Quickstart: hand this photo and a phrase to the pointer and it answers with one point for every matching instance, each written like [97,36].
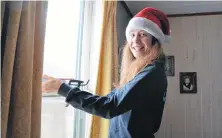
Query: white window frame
[78,115]
[87,57]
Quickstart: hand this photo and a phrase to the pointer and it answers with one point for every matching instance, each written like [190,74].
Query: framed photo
[169,66]
[188,82]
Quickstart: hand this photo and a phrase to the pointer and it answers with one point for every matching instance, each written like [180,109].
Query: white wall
[197,46]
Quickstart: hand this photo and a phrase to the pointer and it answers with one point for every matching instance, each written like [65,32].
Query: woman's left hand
[51,84]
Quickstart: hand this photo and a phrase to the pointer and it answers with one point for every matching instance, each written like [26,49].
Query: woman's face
[140,43]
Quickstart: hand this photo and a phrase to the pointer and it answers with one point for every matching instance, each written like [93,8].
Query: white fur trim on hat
[149,26]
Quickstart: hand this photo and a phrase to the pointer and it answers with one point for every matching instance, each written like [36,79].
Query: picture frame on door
[188,82]
[170,65]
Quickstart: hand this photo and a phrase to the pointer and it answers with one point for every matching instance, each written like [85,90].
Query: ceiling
[177,7]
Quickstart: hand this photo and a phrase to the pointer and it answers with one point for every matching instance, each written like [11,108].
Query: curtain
[22,43]
[108,64]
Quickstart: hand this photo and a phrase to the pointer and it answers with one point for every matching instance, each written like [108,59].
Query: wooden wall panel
[197,46]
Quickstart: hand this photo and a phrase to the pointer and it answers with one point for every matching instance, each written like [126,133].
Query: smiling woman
[142,77]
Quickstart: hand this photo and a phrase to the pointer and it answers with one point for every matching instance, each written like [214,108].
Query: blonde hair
[130,65]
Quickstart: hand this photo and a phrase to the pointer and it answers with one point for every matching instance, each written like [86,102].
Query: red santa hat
[153,21]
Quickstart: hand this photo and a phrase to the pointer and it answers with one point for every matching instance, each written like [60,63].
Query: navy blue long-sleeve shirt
[135,109]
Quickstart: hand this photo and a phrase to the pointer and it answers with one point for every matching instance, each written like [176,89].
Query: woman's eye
[143,34]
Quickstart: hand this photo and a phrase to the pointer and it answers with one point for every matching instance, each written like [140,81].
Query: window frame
[79,116]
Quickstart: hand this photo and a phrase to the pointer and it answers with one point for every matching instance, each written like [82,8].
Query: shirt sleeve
[140,91]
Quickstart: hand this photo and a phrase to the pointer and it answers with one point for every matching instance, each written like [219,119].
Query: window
[57,121]
[62,27]
[60,61]
[71,47]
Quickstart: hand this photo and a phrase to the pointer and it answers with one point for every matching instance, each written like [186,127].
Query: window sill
[51,94]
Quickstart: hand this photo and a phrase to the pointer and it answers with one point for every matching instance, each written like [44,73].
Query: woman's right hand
[51,84]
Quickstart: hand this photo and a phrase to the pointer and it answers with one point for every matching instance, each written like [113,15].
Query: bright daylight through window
[60,62]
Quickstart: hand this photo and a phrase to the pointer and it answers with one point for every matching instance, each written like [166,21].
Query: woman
[135,107]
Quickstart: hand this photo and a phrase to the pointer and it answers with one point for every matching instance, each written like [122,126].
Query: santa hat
[153,21]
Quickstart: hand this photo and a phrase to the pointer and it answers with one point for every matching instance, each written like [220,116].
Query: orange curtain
[22,43]
[108,64]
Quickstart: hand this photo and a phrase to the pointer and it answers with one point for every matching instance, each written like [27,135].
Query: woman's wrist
[64,89]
